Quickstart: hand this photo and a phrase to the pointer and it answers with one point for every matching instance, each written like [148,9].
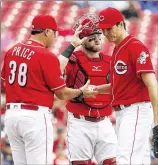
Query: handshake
[88,90]
[91,90]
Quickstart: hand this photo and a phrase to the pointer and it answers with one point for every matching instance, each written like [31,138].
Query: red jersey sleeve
[141,58]
[3,71]
[3,77]
[52,73]
[3,66]
[69,74]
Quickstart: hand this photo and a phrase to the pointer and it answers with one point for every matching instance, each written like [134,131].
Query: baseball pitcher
[133,88]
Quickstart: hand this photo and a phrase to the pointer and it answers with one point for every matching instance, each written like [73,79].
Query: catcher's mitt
[155,141]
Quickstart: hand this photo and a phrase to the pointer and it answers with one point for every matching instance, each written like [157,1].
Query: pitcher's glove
[155,141]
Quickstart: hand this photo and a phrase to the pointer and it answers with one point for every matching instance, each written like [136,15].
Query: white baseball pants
[30,134]
[88,139]
[133,126]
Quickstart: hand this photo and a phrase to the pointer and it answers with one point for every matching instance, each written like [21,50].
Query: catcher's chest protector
[95,70]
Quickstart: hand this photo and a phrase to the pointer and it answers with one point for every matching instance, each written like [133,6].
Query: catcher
[90,132]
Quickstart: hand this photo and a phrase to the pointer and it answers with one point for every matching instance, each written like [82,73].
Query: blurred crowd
[131,10]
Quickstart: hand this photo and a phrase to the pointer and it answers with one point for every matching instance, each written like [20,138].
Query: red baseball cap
[109,17]
[44,22]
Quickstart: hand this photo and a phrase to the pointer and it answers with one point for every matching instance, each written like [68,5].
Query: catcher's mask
[89,24]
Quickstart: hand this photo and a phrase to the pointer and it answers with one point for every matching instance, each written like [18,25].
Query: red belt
[25,106]
[88,118]
[118,107]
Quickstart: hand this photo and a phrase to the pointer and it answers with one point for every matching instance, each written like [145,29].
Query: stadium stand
[17,16]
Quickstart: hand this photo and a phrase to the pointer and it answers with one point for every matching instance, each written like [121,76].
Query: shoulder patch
[142,58]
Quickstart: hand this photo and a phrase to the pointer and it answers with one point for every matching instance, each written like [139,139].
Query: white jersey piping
[145,71]
[58,87]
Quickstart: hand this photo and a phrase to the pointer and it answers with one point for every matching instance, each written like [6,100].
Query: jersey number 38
[21,73]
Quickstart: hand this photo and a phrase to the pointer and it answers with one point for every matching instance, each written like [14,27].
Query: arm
[65,55]
[68,93]
[141,60]
[3,100]
[150,81]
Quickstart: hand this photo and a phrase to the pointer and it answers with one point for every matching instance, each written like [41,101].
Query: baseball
[90,88]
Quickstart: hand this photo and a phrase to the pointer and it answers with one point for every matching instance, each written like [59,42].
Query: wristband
[81,94]
[79,98]
[68,51]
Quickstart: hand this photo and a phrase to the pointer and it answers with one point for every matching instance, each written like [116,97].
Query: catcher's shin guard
[81,162]
[111,161]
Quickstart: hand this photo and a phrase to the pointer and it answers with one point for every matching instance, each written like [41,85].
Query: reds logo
[120,67]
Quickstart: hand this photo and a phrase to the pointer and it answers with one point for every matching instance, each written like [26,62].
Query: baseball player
[90,132]
[32,76]
[133,85]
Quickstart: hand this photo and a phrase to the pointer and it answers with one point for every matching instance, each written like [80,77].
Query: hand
[87,92]
[155,141]
[102,89]
[76,41]
[92,88]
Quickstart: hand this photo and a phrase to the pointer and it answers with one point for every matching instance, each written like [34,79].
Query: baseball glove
[155,141]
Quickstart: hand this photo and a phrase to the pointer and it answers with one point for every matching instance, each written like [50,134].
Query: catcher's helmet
[89,24]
